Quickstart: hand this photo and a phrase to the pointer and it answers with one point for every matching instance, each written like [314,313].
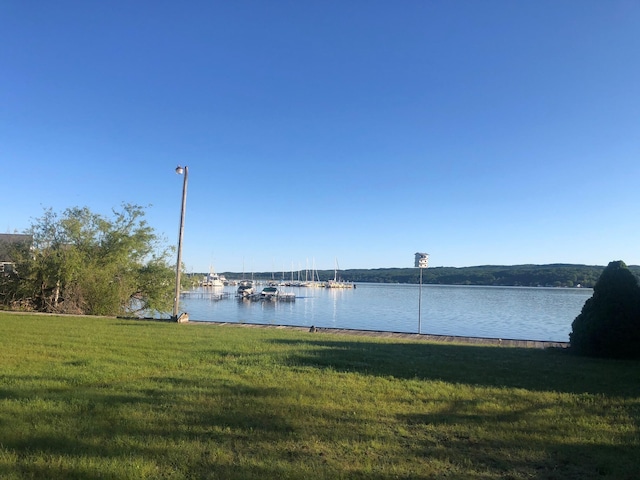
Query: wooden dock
[208,295]
[258,297]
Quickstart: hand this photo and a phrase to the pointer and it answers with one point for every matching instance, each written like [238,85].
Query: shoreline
[453,339]
[498,342]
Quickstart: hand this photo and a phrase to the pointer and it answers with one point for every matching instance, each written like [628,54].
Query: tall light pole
[422,261]
[176,300]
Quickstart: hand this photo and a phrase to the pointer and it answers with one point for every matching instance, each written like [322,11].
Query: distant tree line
[552,275]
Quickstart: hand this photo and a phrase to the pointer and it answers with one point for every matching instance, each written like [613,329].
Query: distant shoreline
[549,275]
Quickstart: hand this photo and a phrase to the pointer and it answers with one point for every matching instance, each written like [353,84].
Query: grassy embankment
[107,398]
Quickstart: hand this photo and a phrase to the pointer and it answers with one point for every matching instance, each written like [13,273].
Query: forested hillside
[553,275]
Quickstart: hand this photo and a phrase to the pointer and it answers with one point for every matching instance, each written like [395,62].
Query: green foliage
[609,323]
[554,275]
[82,262]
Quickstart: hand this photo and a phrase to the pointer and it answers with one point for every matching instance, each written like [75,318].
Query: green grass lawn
[88,397]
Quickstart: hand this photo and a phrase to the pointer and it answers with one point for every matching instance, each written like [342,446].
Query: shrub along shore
[88,397]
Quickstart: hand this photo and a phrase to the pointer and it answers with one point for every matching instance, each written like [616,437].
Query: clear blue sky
[481,132]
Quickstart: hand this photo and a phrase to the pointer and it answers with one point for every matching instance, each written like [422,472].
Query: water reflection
[503,312]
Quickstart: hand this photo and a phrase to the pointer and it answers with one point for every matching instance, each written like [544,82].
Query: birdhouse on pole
[422,260]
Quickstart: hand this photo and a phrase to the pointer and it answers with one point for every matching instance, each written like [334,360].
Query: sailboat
[337,283]
[314,275]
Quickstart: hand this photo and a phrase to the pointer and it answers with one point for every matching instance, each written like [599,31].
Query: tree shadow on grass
[523,443]
[188,428]
[201,427]
[486,366]
[176,423]
[178,426]
[502,431]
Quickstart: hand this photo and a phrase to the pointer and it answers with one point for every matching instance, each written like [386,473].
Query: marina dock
[220,295]
[207,294]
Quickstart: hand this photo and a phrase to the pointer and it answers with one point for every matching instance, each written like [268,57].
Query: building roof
[10,240]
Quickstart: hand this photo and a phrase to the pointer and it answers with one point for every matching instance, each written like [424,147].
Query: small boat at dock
[245,288]
[269,293]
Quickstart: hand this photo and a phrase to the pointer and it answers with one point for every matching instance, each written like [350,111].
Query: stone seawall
[498,342]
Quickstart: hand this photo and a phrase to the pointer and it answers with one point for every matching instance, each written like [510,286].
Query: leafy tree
[609,323]
[82,262]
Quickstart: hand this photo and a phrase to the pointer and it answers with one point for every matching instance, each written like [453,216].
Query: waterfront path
[499,342]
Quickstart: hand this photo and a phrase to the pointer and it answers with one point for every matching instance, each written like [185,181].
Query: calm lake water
[495,312]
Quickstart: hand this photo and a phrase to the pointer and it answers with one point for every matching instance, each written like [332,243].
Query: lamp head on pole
[179,170]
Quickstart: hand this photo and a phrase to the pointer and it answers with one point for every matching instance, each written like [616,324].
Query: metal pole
[176,299]
[420,304]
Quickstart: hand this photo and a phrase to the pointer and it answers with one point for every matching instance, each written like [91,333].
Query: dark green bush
[609,323]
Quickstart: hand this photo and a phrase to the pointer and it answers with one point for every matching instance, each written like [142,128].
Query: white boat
[212,279]
[245,288]
[272,293]
[269,293]
[337,283]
